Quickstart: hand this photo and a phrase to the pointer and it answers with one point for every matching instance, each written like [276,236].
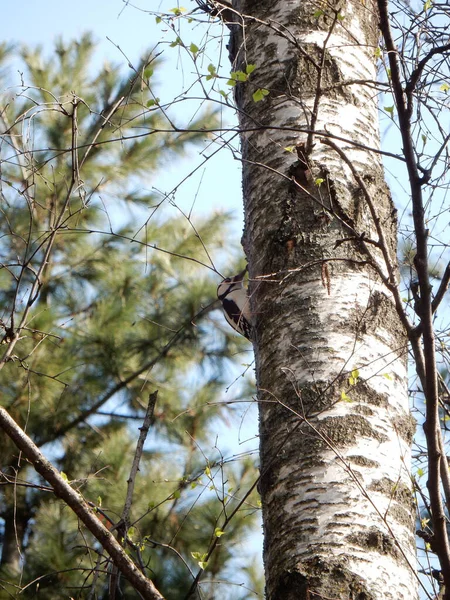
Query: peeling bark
[320,237]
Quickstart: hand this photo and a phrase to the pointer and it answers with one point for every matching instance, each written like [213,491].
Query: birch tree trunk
[320,237]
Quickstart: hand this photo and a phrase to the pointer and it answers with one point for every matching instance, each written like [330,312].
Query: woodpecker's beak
[240,276]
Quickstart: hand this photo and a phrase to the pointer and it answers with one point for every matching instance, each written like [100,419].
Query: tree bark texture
[16,515]
[15,510]
[320,238]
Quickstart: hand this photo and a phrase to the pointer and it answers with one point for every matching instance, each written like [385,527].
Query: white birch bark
[337,503]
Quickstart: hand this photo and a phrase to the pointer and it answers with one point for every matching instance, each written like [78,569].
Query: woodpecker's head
[230,284]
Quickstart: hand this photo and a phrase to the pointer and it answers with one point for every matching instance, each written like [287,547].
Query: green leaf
[148,73]
[289,149]
[177,11]
[390,110]
[131,531]
[158,20]
[319,181]
[420,472]
[64,476]
[208,472]
[152,102]
[318,14]
[202,563]
[193,48]
[177,42]
[218,532]
[231,82]
[249,69]
[353,379]
[259,94]
[340,17]
[238,75]
[445,87]
[387,376]
[427,5]
[99,500]
[378,53]
[212,72]
[344,397]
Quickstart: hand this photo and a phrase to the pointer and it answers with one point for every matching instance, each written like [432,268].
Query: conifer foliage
[106,298]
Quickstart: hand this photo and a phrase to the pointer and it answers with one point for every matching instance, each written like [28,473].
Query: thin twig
[137,456]
[122,526]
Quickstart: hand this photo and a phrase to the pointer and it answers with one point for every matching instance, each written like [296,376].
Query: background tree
[97,312]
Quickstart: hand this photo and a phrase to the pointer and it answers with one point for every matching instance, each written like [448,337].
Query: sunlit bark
[330,350]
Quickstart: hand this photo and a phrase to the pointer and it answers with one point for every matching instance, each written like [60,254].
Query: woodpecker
[235,303]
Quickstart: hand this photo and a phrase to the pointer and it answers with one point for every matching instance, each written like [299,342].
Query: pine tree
[98,312]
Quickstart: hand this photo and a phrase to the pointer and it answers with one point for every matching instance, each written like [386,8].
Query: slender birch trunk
[320,237]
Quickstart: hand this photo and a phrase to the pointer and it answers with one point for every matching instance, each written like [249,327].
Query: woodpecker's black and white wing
[236,318]
[235,303]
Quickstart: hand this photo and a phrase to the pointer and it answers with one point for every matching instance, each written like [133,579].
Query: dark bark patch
[405,426]
[292,586]
[374,539]
[397,491]
[362,393]
[363,461]
[406,516]
[317,579]
[347,430]
[402,506]
[363,410]
[380,315]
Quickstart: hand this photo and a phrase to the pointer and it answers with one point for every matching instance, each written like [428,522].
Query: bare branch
[122,526]
[80,507]
[415,75]
[137,456]
[441,290]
